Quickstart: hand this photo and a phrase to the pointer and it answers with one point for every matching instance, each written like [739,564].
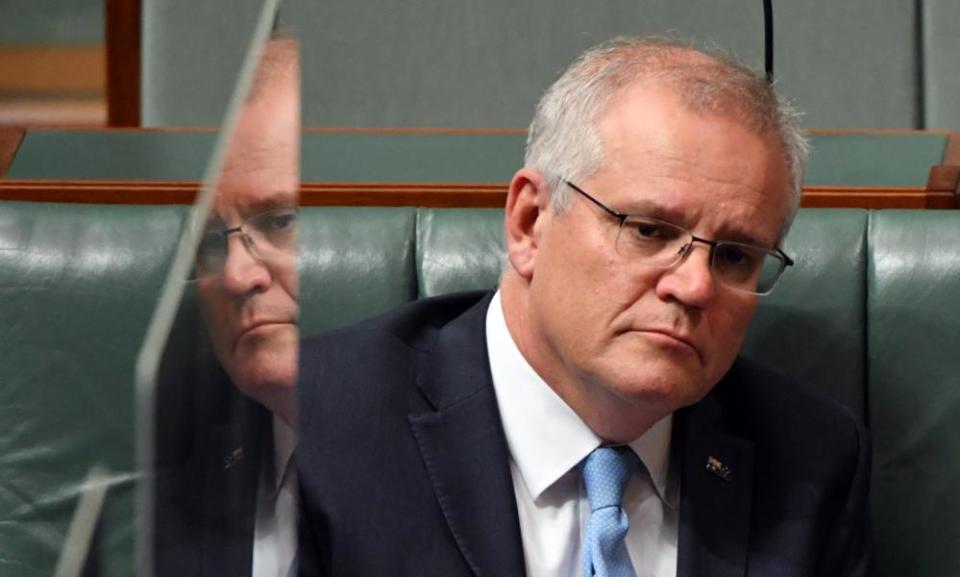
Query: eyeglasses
[269,236]
[743,267]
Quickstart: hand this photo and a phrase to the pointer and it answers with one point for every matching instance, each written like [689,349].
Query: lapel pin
[715,466]
[233,458]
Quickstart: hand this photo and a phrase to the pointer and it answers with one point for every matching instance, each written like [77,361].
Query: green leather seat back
[914,383]
[810,327]
[459,249]
[77,287]
[872,299]
[354,263]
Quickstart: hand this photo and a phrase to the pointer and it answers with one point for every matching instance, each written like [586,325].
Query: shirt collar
[546,438]
[284,442]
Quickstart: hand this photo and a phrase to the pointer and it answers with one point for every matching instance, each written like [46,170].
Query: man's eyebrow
[271,201]
[648,208]
[743,237]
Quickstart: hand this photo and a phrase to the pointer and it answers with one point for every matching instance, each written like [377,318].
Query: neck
[612,418]
[282,404]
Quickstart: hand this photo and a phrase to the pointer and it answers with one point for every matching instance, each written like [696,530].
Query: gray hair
[563,142]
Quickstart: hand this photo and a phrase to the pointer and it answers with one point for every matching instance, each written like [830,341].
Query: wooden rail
[940,191]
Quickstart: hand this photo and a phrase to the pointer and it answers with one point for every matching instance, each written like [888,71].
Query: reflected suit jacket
[210,445]
[404,467]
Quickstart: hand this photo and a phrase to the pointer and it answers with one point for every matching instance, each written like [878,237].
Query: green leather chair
[869,315]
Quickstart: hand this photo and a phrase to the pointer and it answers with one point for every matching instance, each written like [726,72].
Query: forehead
[255,186]
[259,173]
[261,169]
[707,171]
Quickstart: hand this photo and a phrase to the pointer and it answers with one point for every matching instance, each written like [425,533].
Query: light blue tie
[605,474]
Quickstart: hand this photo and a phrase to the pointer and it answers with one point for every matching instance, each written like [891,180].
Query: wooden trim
[88,192]
[944,179]
[492,195]
[311,194]
[123,34]
[952,155]
[437,195]
[825,197]
[10,139]
[124,129]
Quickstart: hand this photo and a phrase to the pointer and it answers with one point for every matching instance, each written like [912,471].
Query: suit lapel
[715,493]
[463,447]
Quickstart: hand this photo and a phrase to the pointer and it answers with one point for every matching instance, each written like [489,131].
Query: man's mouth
[673,338]
[256,327]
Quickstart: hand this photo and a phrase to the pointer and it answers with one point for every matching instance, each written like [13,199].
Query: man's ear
[527,202]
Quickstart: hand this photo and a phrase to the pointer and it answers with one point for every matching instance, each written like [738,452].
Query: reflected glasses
[743,267]
[269,236]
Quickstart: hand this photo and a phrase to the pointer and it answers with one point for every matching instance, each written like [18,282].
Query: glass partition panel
[216,376]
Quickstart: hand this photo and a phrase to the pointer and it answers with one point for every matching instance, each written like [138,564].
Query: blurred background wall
[473,63]
[482,63]
[52,68]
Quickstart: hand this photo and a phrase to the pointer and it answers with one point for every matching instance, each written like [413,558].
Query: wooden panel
[311,194]
[123,31]
[10,139]
[44,69]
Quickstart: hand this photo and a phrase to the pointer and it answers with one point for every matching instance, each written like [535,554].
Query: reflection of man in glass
[246,264]
[228,507]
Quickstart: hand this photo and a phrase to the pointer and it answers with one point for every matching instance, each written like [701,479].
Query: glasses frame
[775,252]
[248,243]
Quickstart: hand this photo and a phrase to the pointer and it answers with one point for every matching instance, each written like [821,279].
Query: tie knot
[605,474]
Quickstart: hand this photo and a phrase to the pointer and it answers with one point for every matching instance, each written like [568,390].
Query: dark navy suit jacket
[404,468]
[210,445]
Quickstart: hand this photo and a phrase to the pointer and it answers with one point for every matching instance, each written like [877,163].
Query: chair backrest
[913,357]
[869,315]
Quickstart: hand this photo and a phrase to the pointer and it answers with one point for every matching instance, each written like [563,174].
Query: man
[225,487]
[592,416]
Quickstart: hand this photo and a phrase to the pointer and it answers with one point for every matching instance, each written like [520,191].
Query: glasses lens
[657,242]
[272,234]
[773,267]
[211,254]
[747,268]
[662,244]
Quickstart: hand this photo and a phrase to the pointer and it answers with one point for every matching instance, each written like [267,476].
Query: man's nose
[691,281]
[242,272]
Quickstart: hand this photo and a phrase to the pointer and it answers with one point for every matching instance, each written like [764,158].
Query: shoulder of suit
[758,394]
[413,324]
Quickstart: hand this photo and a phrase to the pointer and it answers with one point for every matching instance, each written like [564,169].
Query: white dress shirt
[547,440]
[275,529]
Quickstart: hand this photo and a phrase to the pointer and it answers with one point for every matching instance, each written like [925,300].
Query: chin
[264,374]
[648,374]
[661,391]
